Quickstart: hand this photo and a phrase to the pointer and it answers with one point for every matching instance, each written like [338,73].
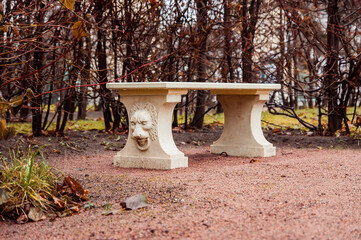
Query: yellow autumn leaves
[68,4]
[79,30]
[78,27]
[13,106]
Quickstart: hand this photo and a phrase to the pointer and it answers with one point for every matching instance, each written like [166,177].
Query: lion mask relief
[143,123]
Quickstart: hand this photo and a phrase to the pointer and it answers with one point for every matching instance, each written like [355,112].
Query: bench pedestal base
[150,141]
[242,134]
[245,151]
[150,163]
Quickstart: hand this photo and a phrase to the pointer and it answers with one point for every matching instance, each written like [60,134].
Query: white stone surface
[150,105]
[193,85]
[143,125]
[242,133]
[150,142]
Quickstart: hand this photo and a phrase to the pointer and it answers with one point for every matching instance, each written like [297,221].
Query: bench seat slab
[242,134]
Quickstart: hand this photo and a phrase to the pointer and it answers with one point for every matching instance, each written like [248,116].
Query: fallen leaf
[111,212]
[4,197]
[72,187]
[254,160]
[198,143]
[76,188]
[276,131]
[22,219]
[134,202]
[60,203]
[177,129]
[36,214]
[124,132]
[56,151]
[30,136]
[74,209]
[45,133]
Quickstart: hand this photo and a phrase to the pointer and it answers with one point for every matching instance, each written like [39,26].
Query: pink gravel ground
[298,194]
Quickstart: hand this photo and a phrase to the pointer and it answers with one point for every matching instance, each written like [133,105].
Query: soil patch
[93,142]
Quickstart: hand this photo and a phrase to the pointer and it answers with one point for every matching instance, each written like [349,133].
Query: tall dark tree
[249,18]
[200,43]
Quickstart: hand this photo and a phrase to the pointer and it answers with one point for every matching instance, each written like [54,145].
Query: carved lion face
[141,124]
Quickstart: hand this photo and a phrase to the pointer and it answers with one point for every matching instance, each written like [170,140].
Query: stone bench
[150,108]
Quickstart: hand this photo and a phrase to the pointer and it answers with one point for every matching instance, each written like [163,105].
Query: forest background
[57,56]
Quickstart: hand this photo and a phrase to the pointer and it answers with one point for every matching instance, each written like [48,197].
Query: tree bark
[36,103]
[105,93]
[331,70]
[249,19]
[85,74]
[228,72]
[200,56]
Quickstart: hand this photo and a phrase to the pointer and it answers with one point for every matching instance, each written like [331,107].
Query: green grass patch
[79,125]
[21,127]
[29,189]
[85,125]
[25,181]
[208,118]
[284,121]
[53,107]
[309,115]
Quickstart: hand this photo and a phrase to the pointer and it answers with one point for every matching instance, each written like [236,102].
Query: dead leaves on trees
[78,27]
[5,132]
[79,30]
[13,105]
[69,4]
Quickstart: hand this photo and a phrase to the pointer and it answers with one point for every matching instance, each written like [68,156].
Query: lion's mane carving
[143,124]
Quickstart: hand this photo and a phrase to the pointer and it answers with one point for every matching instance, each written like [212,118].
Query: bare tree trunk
[331,71]
[45,122]
[67,109]
[128,39]
[250,18]
[85,74]
[38,64]
[105,94]
[202,34]
[227,71]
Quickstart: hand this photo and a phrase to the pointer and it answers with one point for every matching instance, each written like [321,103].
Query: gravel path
[298,194]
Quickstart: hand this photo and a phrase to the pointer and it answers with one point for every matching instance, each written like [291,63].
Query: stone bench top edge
[193,85]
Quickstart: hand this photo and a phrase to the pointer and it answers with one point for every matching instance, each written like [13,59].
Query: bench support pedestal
[242,134]
[150,141]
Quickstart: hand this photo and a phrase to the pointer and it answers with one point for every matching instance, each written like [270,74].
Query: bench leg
[150,141]
[242,134]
